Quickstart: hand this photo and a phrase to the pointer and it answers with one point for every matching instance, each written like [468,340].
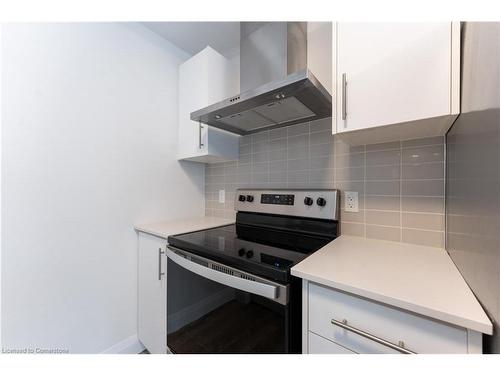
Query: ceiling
[192,37]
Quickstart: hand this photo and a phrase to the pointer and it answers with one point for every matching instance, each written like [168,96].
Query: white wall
[0,186]
[89,126]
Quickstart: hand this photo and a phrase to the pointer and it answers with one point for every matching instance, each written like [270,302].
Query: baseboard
[130,345]
[197,310]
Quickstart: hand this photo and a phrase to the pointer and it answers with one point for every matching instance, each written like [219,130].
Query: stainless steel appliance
[473,173]
[229,289]
[277,87]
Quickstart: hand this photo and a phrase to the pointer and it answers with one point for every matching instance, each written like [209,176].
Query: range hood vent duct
[277,88]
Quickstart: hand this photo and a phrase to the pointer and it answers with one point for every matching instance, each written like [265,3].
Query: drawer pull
[400,348]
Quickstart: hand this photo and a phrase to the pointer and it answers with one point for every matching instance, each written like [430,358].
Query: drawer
[419,334]
[320,345]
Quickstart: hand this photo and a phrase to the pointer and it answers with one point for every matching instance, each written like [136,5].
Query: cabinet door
[320,345]
[152,293]
[391,73]
[204,79]
[192,96]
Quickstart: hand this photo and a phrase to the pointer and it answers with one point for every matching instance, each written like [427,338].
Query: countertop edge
[151,232]
[398,303]
[195,226]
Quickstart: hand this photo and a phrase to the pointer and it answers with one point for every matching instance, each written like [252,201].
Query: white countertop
[167,228]
[416,278]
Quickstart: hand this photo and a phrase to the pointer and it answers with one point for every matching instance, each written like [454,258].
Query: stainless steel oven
[229,289]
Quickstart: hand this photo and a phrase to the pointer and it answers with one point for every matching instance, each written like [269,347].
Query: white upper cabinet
[403,77]
[204,79]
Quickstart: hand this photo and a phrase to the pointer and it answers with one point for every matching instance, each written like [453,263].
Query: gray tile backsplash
[400,184]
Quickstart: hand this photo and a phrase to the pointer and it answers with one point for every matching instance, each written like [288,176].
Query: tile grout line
[309,156]
[268,180]
[364,191]
[331,181]
[400,191]
[395,227]
[286,164]
[251,160]
[269,160]
[335,182]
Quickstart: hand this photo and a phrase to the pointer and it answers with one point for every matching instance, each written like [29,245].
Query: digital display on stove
[284,199]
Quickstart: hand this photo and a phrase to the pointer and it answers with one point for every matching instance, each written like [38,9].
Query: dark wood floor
[232,328]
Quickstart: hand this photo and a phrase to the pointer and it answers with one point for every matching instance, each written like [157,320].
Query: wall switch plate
[351,201]
[222,196]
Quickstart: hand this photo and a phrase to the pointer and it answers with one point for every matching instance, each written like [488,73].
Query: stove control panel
[321,204]
[285,199]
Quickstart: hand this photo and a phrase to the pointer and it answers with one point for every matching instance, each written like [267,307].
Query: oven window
[205,317]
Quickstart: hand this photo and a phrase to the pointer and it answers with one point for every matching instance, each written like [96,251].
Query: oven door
[213,308]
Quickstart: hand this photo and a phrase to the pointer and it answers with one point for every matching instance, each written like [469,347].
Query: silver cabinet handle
[200,127]
[359,332]
[254,287]
[160,273]
[344,96]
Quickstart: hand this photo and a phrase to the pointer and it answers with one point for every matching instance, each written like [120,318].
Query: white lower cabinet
[152,293]
[338,322]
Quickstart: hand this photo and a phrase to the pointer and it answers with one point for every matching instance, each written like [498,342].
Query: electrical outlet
[222,196]
[351,201]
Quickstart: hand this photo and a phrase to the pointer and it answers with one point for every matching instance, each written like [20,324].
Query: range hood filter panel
[275,113]
[285,110]
[246,121]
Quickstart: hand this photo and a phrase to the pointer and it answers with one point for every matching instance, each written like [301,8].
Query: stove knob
[241,198]
[321,202]
[241,252]
[249,254]
[308,201]
[249,198]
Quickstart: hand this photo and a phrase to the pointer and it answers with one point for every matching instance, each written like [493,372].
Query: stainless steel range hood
[277,88]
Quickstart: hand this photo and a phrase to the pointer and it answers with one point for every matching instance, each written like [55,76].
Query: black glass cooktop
[264,252]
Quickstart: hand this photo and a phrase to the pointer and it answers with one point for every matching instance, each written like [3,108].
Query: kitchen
[281,187]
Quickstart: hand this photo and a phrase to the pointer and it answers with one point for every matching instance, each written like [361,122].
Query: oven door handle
[254,287]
